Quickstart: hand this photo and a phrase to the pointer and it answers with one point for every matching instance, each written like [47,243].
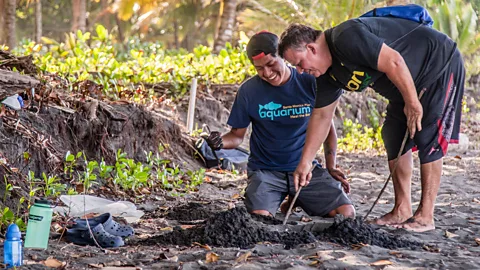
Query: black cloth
[355,46]
[441,126]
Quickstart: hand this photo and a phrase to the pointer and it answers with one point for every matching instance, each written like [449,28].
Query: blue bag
[410,12]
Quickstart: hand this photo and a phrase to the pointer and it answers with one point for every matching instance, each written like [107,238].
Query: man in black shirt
[398,58]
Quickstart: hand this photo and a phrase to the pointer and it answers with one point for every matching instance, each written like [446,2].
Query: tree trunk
[105,19]
[82,20]
[227,21]
[2,22]
[175,34]
[38,21]
[10,19]
[79,12]
[121,36]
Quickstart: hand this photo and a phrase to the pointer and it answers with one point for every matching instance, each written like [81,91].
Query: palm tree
[227,18]
[38,21]
[275,15]
[459,21]
[10,20]
[2,19]
[79,18]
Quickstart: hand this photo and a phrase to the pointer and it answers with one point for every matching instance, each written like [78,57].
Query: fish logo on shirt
[270,106]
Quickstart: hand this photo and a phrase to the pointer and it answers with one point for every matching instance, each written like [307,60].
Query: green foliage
[70,163]
[89,177]
[85,56]
[8,189]
[130,174]
[358,138]
[52,186]
[8,217]
[458,20]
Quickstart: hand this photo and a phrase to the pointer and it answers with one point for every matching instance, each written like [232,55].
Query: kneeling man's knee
[347,210]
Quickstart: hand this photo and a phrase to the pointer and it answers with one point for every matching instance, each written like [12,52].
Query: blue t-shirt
[279,117]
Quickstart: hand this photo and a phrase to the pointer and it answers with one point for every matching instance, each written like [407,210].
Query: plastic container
[12,247]
[38,227]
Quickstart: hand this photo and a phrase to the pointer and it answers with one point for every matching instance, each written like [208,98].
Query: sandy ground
[451,246]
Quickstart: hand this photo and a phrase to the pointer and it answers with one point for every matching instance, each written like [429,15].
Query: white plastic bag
[80,205]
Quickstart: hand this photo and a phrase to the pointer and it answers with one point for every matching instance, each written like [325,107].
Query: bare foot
[390,219]
[416,224]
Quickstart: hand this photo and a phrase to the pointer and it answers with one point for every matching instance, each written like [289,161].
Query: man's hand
[302,174]
[215,141]
[414,113]
[338,175]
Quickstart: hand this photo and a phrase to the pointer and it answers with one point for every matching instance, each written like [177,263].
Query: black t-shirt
[355,46]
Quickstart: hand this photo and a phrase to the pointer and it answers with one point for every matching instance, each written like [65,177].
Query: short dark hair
[261,44]
[296,36]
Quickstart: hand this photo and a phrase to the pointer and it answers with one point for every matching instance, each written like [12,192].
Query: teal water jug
[38,226]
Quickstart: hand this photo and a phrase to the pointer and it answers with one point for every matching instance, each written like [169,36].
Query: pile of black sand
[347,231]
[190,212]
[232,228]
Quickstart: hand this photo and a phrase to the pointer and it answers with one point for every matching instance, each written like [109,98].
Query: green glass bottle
[38,227]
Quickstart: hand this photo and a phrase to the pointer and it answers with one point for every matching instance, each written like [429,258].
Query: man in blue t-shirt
[278,102]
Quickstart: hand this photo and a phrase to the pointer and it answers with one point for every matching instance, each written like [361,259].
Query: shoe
[82,236]
[110,225]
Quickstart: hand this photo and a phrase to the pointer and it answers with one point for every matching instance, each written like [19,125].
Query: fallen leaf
[396,254]
[114,263]
[381,262]
[14,169]
[79,188]
[236,196]
[450,235]
[478,241]
[27,262]
[314,262]
[94,265]
[88,216]
[54,263]
[305,219]
[358,246]
[243,257]
[207,247]
[458,157]
[207,179]
[173,259]
[211,257]
[166,229]
[186,226]
[431,249]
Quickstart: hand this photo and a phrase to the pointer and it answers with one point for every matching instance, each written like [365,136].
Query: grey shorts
[267,189]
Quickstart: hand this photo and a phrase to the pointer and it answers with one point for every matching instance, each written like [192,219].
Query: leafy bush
[358,138]
[83,56]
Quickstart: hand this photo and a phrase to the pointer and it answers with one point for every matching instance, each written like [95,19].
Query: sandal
[82,236]
[110,225]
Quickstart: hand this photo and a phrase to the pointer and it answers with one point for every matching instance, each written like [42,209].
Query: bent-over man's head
[262,51]
[298,45]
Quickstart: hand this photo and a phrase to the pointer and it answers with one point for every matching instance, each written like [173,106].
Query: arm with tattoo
[330,148]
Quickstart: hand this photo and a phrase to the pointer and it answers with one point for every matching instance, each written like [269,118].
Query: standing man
[397,58]
[278,102]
